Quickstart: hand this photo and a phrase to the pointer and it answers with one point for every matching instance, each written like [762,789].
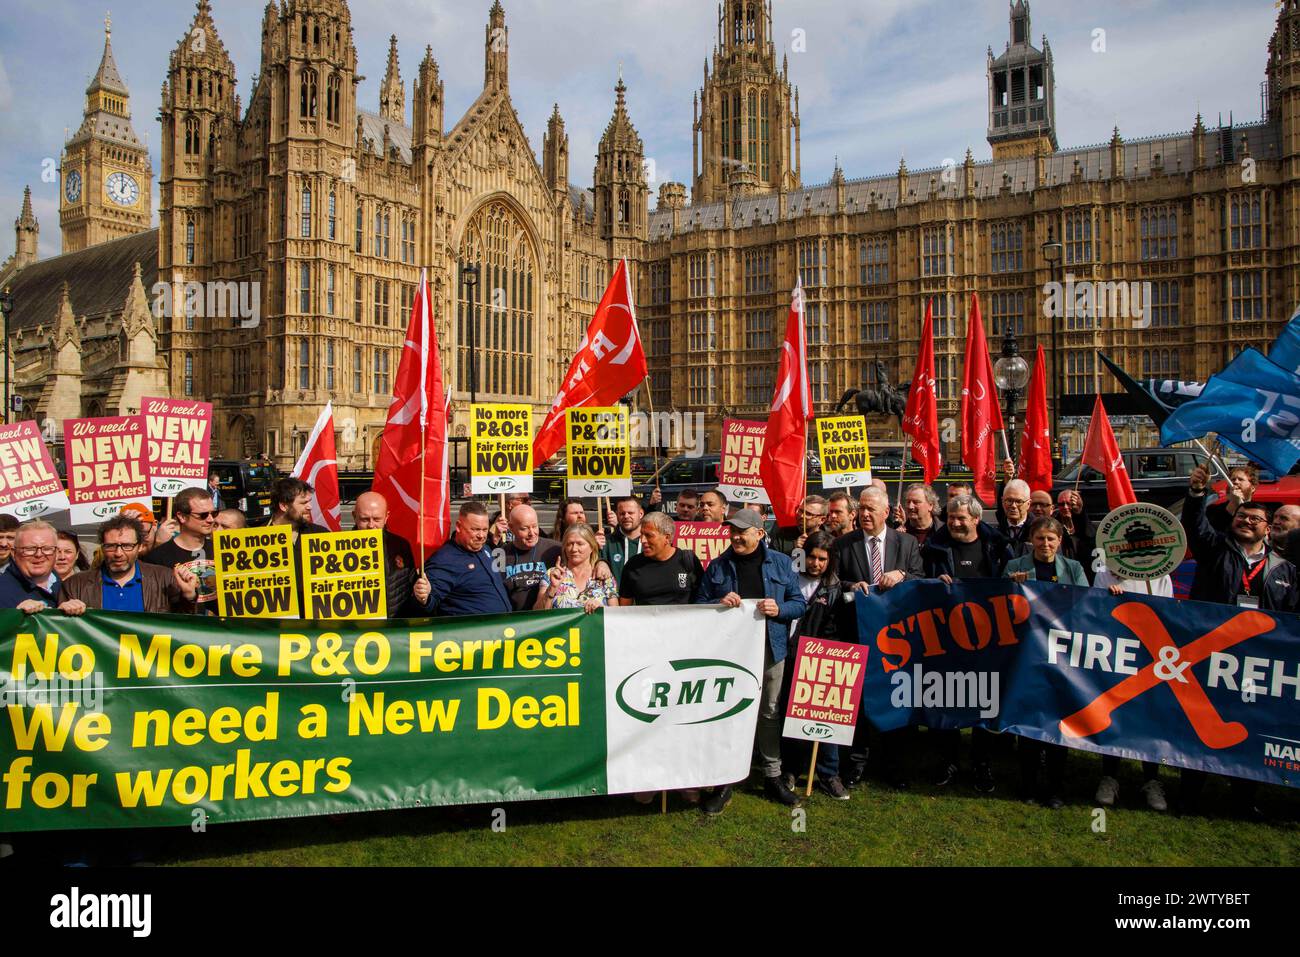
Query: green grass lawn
[879,826]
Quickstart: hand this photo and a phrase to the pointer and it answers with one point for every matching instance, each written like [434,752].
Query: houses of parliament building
[327,209]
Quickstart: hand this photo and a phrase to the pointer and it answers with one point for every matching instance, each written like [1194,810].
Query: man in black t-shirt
[526,558]
[192,546]
[662,574]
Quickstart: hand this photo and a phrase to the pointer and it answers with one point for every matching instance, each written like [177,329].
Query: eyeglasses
[120,546]
[1252,520]
[1015,501]
[31,551]
[203,516]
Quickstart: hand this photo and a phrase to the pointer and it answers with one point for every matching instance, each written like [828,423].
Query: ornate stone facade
[1210,218]
[329,210]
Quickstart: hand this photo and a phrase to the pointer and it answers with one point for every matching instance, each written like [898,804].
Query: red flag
[608,365]
[784,462]
[1036,446]
[1101,451]
[318,466]
[921,419]
[980,414]
[417,429]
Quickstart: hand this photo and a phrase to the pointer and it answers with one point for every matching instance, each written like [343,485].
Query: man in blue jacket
[29,583]
[459,577]
[751,570]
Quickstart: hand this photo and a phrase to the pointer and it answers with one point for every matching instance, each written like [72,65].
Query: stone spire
[27,233]
[392,94]
[108,101]
[107,76]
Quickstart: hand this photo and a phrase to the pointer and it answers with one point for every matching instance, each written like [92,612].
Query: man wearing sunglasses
[123,583]
[196,518]
[29,583]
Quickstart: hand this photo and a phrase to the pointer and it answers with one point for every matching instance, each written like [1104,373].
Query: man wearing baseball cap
[751,570]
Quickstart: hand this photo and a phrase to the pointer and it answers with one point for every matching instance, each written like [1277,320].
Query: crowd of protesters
[804,580]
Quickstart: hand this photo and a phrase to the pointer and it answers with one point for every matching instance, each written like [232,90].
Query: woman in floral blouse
[580,579]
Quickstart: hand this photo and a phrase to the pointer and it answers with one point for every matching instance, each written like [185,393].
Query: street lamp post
[469,276]
[1011,373]
[1053,253]
[6,306]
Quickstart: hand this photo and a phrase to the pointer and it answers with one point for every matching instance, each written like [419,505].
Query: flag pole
[424,401]
[1214,457]
[421,516]
[654,445]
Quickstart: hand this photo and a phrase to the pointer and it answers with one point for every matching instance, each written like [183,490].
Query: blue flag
[1286,349]
[1253,405]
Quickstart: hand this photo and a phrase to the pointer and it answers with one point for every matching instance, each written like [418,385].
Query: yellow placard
[599,456]
[500,449]
[343,575]
[256,577]
[845,453]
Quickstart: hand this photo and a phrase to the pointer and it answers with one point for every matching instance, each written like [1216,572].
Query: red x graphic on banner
[1143,621]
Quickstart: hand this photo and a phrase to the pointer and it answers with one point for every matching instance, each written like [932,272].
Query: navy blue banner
[1188,684]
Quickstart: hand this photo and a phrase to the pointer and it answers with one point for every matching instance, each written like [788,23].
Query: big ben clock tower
[107,180]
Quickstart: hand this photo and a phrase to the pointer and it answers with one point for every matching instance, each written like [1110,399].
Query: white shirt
[1162,587]
[880,544]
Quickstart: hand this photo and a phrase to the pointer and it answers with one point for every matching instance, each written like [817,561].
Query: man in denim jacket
[749,569]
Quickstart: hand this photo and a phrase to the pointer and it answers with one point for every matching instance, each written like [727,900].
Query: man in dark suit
[1014,519]
[872,560]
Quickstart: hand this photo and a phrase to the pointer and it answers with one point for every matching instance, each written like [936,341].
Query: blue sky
[879,78]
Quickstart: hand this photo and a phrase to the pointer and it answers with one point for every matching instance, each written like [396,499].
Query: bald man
[1282,532]
[525,559]
[400,569]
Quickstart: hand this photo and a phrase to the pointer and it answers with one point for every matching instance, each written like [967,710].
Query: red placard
[742,447]
[106,466]
[826,691]
[179,439]
[29,485]
[706,539]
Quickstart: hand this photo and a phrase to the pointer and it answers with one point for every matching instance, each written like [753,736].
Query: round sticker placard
[1141,542]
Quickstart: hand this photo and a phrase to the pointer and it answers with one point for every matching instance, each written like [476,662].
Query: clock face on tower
[122,189]
[72,186]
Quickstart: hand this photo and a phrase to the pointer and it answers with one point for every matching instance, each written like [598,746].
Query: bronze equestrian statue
[884,400]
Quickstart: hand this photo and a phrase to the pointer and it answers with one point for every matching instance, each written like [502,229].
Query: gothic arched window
[624,207]
[735,125]
[332,98]
[504,308]
[192,136]
[307,95]
[305,232]
[331,217]
[189,241]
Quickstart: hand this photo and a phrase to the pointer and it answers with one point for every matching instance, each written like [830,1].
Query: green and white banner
[117,720]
